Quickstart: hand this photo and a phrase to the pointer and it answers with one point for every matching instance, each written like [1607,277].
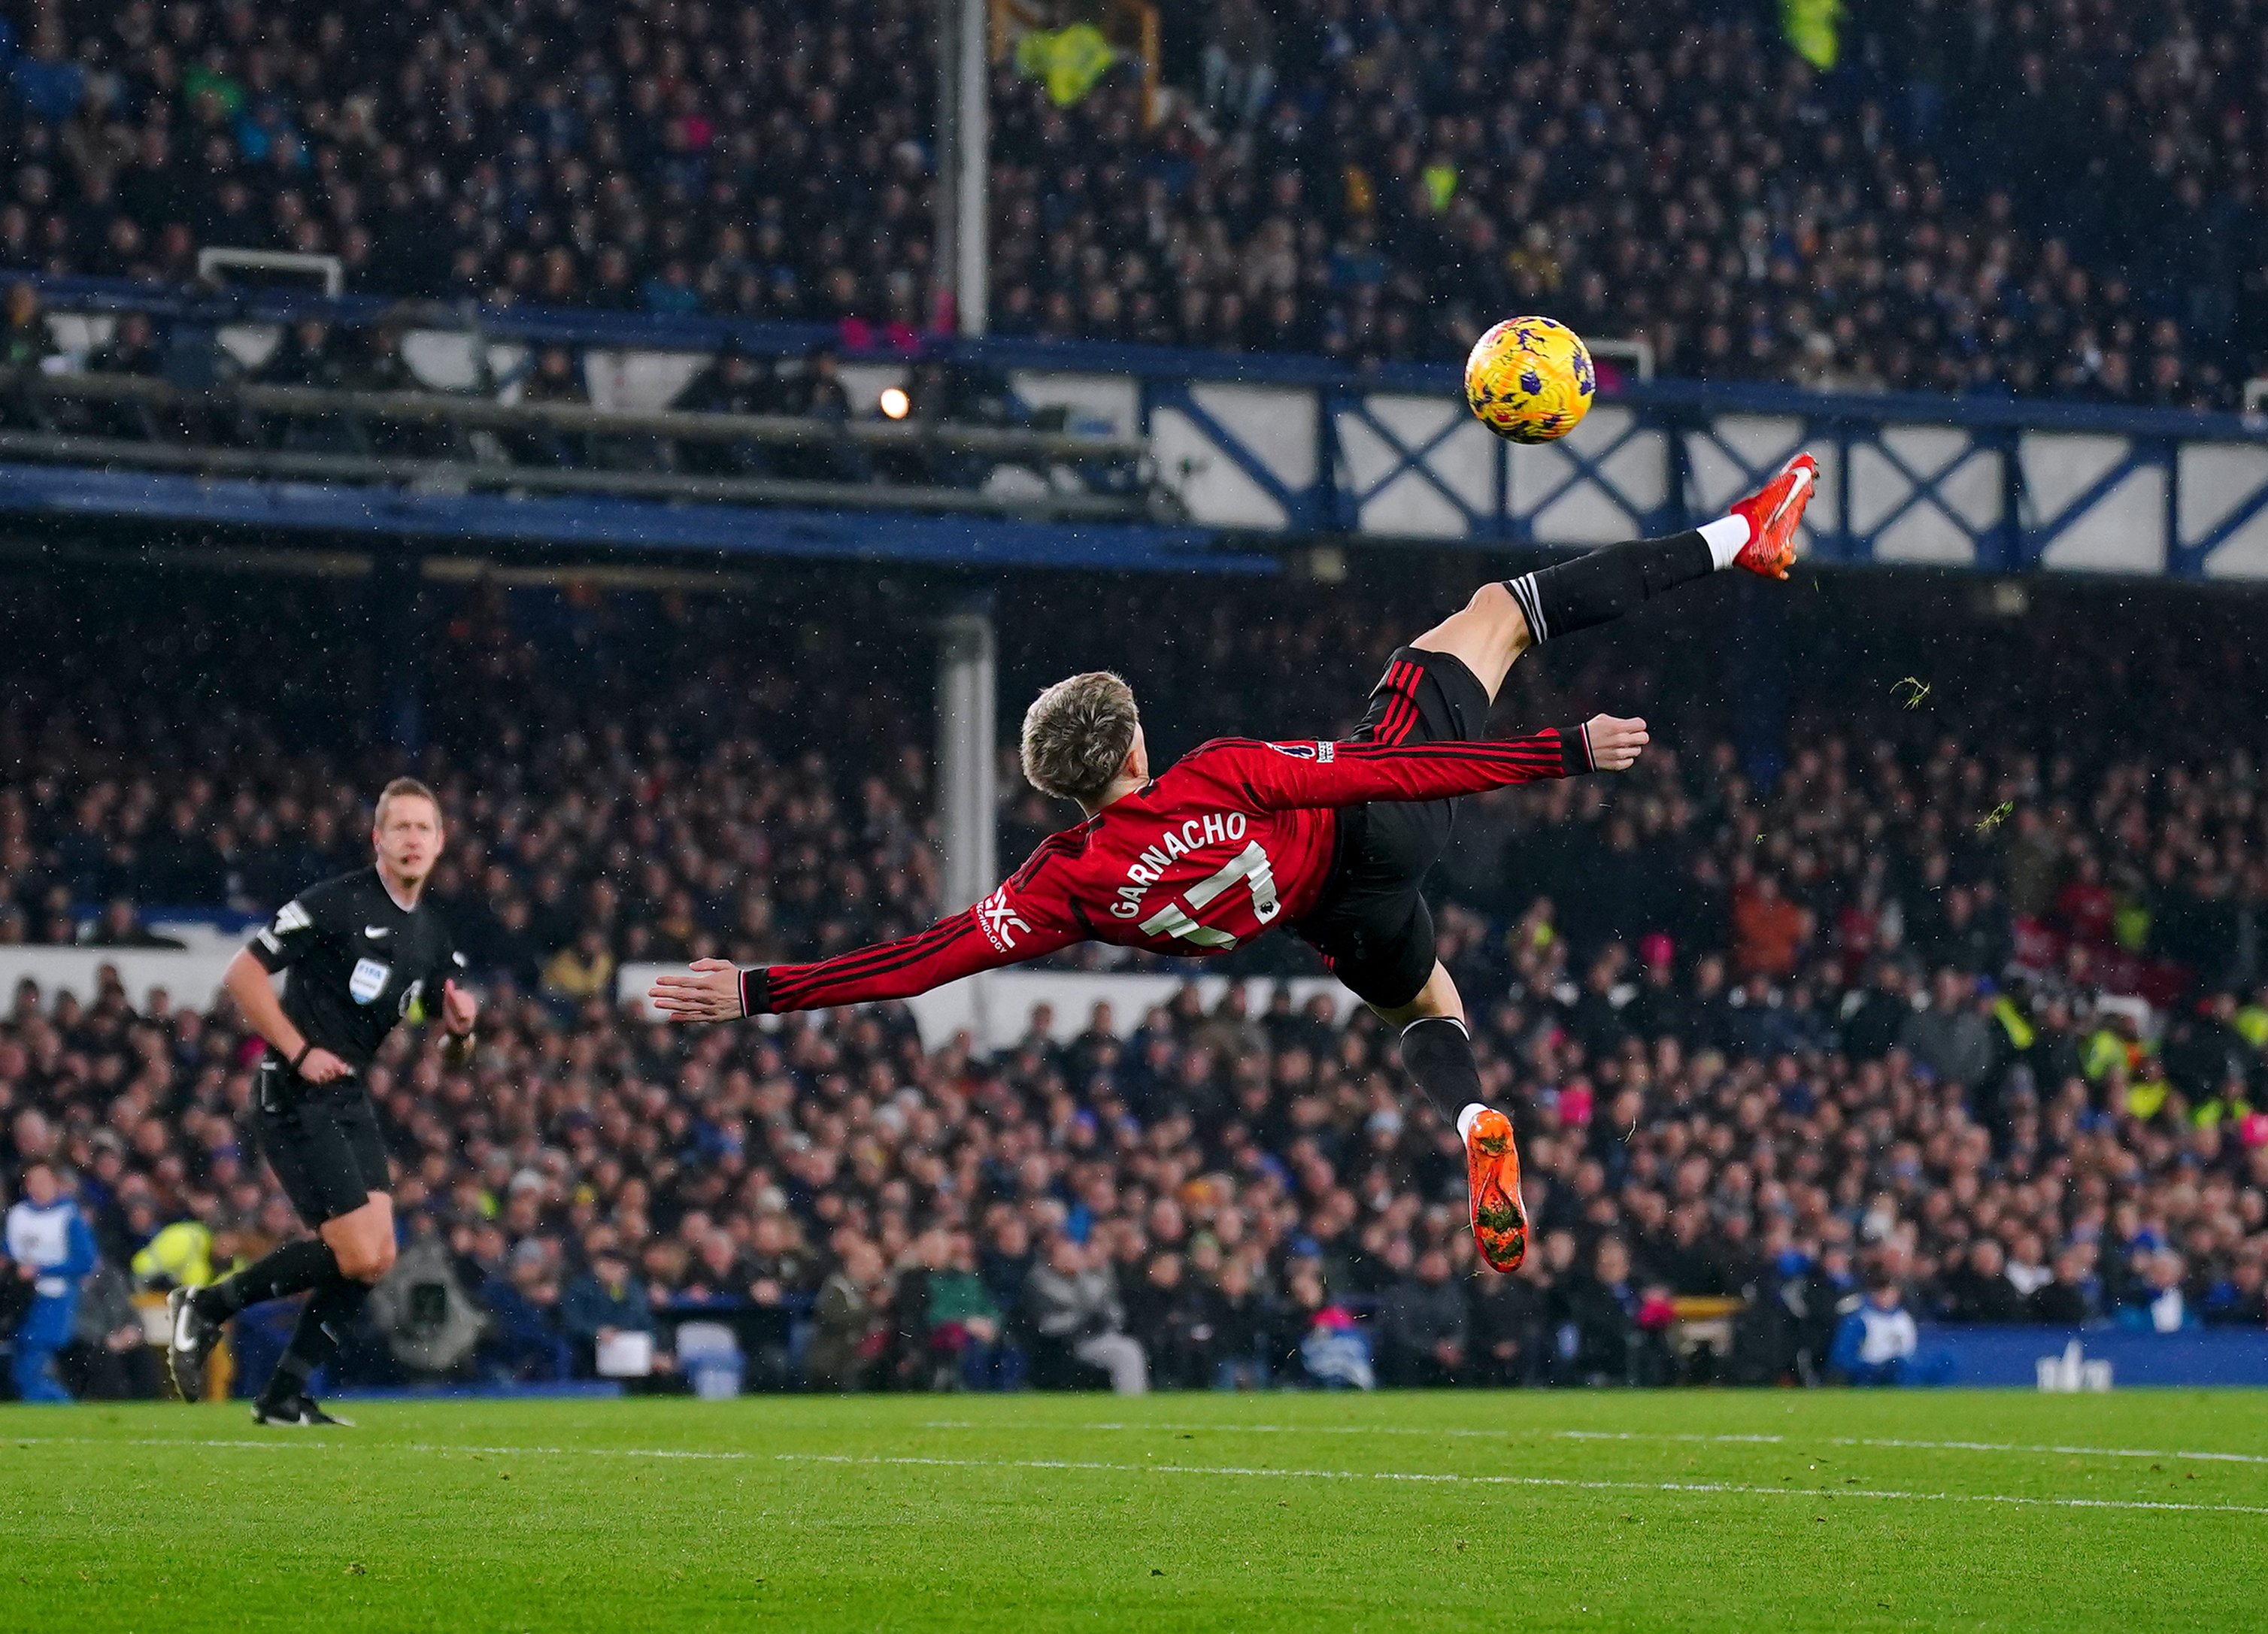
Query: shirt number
[1250,866]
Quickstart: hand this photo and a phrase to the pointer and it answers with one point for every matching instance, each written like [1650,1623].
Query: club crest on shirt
[368,980]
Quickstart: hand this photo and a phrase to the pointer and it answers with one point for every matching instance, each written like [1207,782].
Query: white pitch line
[1439,1478]
[1514,1430]
[311,1444]
[1702,1487]
[1936,1447]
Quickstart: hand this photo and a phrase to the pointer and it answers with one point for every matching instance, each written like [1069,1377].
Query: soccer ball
[1529,379]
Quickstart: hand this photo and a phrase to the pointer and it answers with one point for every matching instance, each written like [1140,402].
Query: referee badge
[368,980]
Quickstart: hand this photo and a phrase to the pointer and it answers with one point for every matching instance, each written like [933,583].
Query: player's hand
[1615,743]
[320,1067]
[709,991]
[459,1009]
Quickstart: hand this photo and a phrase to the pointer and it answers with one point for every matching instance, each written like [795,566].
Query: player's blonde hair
[1077,733]
[398,788]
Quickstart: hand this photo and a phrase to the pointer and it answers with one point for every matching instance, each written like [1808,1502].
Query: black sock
[1601,587]
[294,1267]
[1437,1054]
[323,1323]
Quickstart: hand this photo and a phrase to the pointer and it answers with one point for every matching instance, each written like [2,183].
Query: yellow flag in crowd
[1814,29]
[1070,62]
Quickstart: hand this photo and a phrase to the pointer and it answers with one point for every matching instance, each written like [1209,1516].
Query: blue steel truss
[1988,483]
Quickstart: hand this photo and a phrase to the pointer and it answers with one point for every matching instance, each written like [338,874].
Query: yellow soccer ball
[1531,379]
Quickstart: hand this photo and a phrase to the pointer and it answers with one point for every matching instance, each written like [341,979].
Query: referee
[362,954]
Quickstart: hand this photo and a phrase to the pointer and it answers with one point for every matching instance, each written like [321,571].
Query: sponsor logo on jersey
[374,931]
[368,980]
[999,922]
[1307,751]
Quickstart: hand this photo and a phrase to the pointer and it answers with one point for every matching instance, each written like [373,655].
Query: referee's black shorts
[321,1140]
[1371,925]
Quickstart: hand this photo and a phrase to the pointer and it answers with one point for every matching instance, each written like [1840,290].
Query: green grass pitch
[1517,1512]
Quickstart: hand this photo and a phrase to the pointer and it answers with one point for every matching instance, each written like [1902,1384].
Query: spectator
[964,1324]
[850,1334]
[527,1342]
[1072,1304]
[1875,1023]
[1507,1316]
[110,1357]
[1949,1038]
[1426,1327]
[1980,1291]
[780,1279]
[51,1249]
[1334,1354]
[2158,1303]
[1767,929]
[121,926]
[1241,1325]
[1878,1343]
[2241,1298]
[1595,1320]
[2070,1300]
[584,970]
[1166,1311]
[602,1304]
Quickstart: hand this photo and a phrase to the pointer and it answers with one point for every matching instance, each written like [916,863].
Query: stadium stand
[1773,1026]
[1359,181]
[592,771]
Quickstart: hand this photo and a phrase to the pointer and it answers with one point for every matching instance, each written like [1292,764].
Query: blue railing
[1269,444]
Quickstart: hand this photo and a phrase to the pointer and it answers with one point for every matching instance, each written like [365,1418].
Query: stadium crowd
[1359,181]
[1768,1036]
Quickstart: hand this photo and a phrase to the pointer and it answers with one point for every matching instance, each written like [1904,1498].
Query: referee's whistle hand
[459,1008]
[1615,743]
[322,1067]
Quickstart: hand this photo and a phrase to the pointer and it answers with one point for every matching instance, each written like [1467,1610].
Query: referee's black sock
[1601,587]
[323,1323]
[294,1267]
[1437,1053]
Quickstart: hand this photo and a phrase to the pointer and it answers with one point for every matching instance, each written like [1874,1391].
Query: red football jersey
[1236,838]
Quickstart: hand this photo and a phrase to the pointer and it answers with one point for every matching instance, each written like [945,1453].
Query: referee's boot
[298,1411]
[189,1343]
[1492,1167]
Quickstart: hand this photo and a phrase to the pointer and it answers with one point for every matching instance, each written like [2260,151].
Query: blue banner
[2194,1358]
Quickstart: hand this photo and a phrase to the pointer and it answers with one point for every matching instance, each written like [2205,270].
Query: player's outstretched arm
[1285,776]
[1004,928]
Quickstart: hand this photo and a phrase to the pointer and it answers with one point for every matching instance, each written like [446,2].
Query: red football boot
[1773,513]
[1492,1168]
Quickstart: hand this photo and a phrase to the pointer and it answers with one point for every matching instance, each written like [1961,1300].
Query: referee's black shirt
[358,962]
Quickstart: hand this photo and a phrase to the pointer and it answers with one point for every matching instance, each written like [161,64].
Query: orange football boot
[1773,513]
[1492,1168]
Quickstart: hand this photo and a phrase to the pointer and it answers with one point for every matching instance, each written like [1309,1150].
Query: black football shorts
[1371,925]
[321,1140]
